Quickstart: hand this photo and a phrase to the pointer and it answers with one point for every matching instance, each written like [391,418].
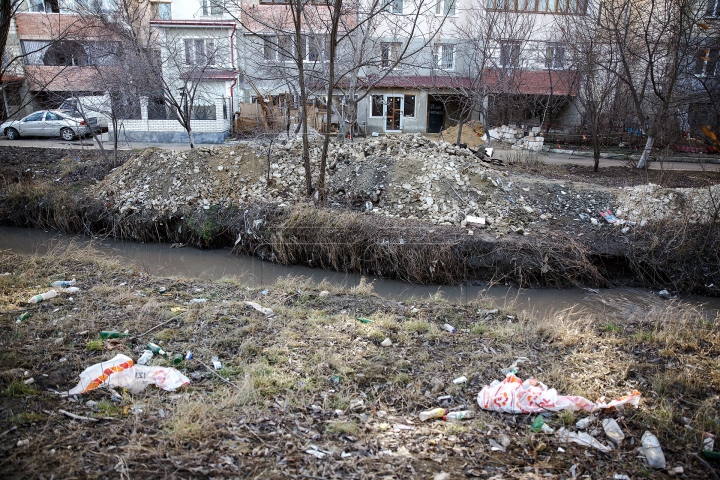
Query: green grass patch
[95,345]
[18,388]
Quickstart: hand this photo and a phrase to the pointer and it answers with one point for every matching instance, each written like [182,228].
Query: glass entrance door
[393,113]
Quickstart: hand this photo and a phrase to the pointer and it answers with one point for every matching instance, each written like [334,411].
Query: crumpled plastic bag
[581,438]
[120,371]
[512,395]
[268,312]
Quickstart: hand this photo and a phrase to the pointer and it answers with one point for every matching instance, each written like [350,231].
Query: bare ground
[314,378]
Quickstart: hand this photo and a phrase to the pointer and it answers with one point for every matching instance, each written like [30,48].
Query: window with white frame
[555,56]
[445,7]
[200,51]
[278,48]
[510,53]
[211,7]
[161,11]
[389,53]
[315,48]
[44,6]
[444,57]
[706,63]
[394,6]
[713,8]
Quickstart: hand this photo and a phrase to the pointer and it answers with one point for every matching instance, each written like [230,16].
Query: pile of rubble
[405,176]
[518,139]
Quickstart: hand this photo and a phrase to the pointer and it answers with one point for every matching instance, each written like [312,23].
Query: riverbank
[313,381]
[398,208]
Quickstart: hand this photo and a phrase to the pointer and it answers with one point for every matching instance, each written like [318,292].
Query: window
[577,7]
[44,6]
[510,54]
[203,112]
[35,117]
[389,53]
[409,110]
[713,8]
[706,64]
[377,106]
[316,48]
[394,6]
[445,7]
[200,51]
[278,49]
[161,11]
[444,57]
[50,116]
[555,56]
[211,7]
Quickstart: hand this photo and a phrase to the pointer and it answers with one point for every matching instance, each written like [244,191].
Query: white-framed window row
[444,57]
[445,7]
[389,54]
[200,51]
[378,105]
[71,6]
[281,48]
[510,53]
[161,10]
[707,62]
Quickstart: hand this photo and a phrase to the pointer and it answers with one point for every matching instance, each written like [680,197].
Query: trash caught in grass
[652,450]
[512,395]
[268,312]
[581,438]
[120,371]
[43,296]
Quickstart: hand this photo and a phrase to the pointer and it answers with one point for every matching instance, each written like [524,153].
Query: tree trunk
[642,163]
[596,152]
[331,85]
[191,136]
[459,134]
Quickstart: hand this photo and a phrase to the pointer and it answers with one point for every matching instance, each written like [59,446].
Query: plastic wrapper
[512,395]
[120,371]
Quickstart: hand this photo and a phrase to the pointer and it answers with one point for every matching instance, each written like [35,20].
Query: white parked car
[46,123]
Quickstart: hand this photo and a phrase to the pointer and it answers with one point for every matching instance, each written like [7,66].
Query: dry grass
[290,374]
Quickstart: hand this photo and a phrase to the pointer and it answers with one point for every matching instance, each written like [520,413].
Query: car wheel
[67,134]
[12,134]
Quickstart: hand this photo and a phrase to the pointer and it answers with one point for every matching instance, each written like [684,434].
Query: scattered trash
[460,380]
[63,283]
[652,450]
[156,349]
[512,395]
[357,404]
[105,334]
[145,357]
[386,343]
[664,294]
[514,367]
[265,311]
[442,476]
[22,443]
[613,431]
[325,293]
[495,446]
[364,320]
[398,427]
[29,381]
[486,311]
[475,221]
[561,450]
[216,363]
[581,438]
[582,424]
[621,476]
[177,359]
[121,372]
[449,328]
[457,416]
[265,292]
[43,296]
[317,452]
[445,399]
[608,216]
[197,300]
[23,317]
[538,425]
[434,413]
[188,355]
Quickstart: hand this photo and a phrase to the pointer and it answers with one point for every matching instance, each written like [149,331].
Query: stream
[162,260]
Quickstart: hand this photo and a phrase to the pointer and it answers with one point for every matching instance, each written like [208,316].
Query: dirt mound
[472,133]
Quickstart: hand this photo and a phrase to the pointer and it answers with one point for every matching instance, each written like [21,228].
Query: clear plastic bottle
[457,416]
[653,452]
[434,413]
[613,431]
[449,328]
[145,357]
[63,283]
[43,296]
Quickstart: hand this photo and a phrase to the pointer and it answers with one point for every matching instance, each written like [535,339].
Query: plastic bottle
[216,363]
[145,357]
[22,317]
[434,413]
[613,431]
[43,296]
[156,349]
[457,416]
[449,328]
[537,424]
[653,452]
[63,283]
[105,334]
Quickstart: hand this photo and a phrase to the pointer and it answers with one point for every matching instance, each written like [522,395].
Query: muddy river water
[161,259]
